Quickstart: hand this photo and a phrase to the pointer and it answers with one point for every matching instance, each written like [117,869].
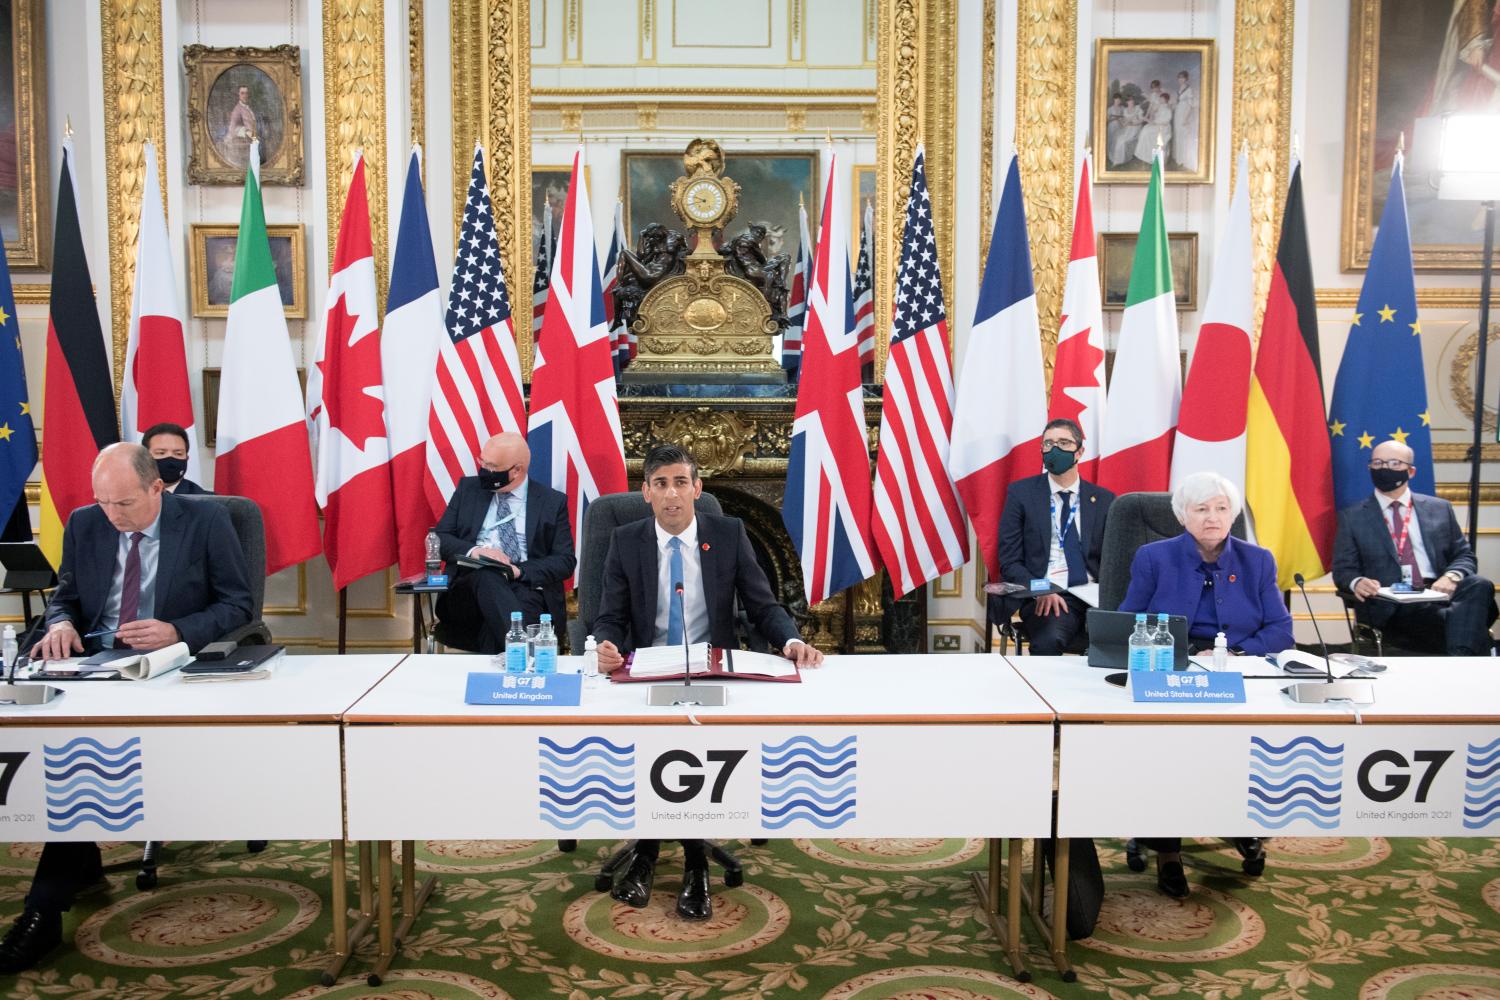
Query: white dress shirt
[1414,530]
[695,603]
[503,505]
[150,549]
[1057,562]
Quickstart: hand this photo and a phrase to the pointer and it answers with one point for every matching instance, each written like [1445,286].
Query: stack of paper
[666,661]
[1411,596]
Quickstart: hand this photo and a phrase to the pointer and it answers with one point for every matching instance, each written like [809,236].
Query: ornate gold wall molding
[1046,75]
[134,113]
[491,70]
[1262,121]
[915,100]
[986,134]
[354,114]
[1427,298]
[416,66]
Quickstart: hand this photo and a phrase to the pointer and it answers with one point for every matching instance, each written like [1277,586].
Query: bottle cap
[546,618]
[515,616]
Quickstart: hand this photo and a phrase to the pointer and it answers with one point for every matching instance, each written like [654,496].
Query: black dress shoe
[633,888]
[1171,879]
[1135,858]
[694,902]
[32,936]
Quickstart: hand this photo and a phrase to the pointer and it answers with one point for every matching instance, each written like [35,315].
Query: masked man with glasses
[1052,528]
[1397,536]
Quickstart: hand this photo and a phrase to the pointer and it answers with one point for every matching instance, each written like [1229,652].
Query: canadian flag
[346,407]
[156,388]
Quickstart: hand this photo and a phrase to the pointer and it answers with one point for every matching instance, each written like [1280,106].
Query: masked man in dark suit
[1397,535]
[155,569]
[168,444]
[501,515]
[711,557]
[1052,528]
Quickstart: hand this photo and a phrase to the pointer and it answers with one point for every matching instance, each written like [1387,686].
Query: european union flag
[17,435]
[1380,392]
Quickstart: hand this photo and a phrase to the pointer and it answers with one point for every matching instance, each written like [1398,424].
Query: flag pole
[1476,453]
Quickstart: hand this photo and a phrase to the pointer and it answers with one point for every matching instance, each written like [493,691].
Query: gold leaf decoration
[354,114]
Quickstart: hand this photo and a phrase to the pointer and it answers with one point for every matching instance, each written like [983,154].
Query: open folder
[665,663]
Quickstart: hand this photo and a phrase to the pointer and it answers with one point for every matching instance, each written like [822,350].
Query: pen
[101,633]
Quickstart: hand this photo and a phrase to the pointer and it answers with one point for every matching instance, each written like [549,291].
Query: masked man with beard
[168,445]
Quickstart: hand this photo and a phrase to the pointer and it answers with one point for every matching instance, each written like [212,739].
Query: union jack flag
[918,524]
[476,391]
[543,269]
[575,416]
[796,310]
[827,506]
[864,295]
[623,340]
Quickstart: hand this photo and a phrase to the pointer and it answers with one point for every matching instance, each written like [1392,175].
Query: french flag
[1002,402]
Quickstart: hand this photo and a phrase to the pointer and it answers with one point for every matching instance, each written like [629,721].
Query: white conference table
[1422,760]
[864,746]
[167,759]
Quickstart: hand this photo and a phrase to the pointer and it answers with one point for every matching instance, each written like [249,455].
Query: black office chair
[1000,616]
[601,519]
[250,529]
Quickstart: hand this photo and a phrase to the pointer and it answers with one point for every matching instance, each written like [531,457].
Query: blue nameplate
[523,689]
[1041,584]
[1196,687]
[437,579]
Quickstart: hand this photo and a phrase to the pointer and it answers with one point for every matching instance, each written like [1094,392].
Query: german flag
[78,399]
[1289,477]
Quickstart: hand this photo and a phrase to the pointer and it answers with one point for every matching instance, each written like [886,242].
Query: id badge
[1406,575]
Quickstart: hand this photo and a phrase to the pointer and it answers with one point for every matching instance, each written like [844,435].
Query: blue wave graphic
[1299,781]
[590,781]
[1482,785]
[88,781]
[806,781]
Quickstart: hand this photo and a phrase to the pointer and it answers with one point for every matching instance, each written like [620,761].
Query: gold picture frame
[1405,70]
[212,253]
[1128,67]
[862,184]
[238,93]
[25,209]
[1116,256]
[553,179]
[212,379]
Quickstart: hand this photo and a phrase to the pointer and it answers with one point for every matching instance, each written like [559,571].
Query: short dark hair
[663,455]
[1072,426]
[176,430]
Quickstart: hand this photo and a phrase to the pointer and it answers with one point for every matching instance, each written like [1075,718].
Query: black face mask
[1386,480]
[1058,461]
[493,481]
[171,469]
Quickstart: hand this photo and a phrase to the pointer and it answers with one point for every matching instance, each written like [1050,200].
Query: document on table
[664,661]
[743,661]
[1411,597]
[1088,593]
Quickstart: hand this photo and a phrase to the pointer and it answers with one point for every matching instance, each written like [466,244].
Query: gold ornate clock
[704,198]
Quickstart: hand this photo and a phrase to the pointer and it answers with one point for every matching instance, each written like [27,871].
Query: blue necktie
[674,614]
[1072,548]
[510,542]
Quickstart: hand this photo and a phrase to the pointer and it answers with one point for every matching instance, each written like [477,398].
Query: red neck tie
[130,588]
[1401,534]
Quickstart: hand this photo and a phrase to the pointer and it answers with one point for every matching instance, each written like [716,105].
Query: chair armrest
[256,633]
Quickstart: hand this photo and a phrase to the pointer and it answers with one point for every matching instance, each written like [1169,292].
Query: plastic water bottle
[1140,645]
[1221,652]
[590,661]
[8,647]
[546,647]
[434,555]
[515,646]
[1163,649]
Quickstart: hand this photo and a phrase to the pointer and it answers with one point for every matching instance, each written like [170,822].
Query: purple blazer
[1164,579]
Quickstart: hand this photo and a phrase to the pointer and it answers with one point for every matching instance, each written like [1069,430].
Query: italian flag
[263,449]
[1145,388]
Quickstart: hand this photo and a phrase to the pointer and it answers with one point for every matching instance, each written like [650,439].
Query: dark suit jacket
[202,586]
[188,488]
[1363,547]
[549,540]
[1027,527]
[1164,579]
[628,593]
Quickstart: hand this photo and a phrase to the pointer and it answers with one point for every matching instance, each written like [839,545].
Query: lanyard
[1062,531]
[1399,531]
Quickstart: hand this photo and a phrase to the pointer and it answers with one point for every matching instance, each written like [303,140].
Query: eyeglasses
[1062,444]
[1394,463]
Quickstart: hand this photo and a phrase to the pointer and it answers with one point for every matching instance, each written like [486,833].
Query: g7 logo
[690,783]
[1397,781]
[10,763]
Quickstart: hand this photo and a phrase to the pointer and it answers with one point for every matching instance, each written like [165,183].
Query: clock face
[703,201]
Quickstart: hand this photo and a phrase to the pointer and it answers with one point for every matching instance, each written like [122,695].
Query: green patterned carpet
[841,920]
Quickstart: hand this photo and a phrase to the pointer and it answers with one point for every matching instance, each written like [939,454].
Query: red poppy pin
[1231,577]
[705,546]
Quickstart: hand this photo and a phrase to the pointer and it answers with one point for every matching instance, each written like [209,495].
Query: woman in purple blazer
[1219,584]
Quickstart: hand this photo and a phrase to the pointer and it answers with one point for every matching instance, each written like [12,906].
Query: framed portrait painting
[25,186]
[1150,94]
[237,95]
[864,194]
[1410,63]
[770,184]
[1117,255]
[549,186]
[213,248]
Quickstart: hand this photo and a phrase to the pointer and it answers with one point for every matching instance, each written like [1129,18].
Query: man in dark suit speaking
[1052,528]
[1396,535]
[502,515]
[711,558]
[157,570]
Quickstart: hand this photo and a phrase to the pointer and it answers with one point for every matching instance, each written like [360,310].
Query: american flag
[796,309]
[919,522]
[543,270]
[476,392]
[864,294]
